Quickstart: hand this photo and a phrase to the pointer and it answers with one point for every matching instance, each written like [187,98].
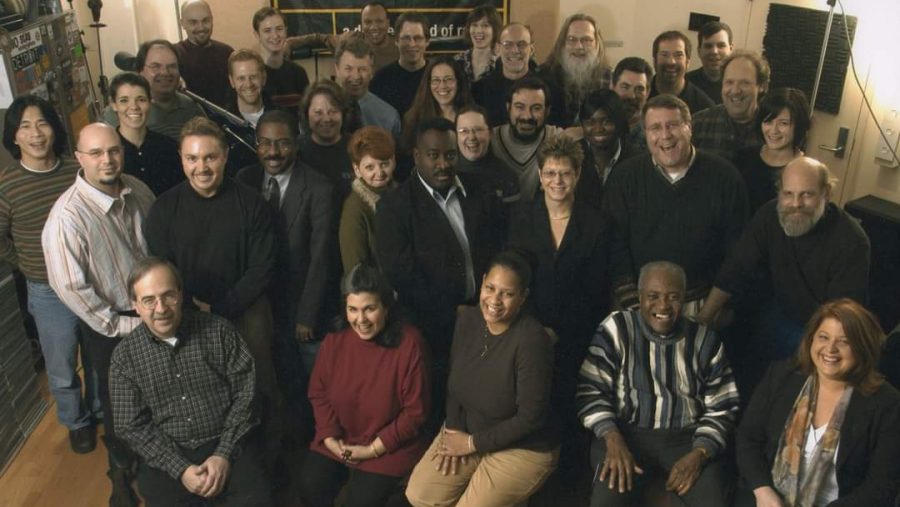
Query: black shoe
[83,440]
[122,493]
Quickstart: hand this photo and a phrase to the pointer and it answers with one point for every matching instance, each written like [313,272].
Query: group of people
[468,280]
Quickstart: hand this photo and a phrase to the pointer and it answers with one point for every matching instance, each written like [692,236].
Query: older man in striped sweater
[657,391]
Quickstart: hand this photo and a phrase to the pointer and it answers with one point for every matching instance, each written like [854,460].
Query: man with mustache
[492,91]
[304,205]
[631,81]
[200,444]
[203,61]
[374,25]
[730,126]
[675,203]
[813,252]
[398,82]
[671,57]
[221,235]
[157,61]
[91,240]
[434,235]
[714,44]
[517,142]
[576,66]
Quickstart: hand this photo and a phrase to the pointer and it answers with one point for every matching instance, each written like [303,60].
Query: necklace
[484,343]
[560,218]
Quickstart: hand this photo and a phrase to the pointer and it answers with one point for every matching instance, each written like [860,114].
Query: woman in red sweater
[369,393]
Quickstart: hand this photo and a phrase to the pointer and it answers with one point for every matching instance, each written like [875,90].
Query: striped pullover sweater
[25,201]
[633,377]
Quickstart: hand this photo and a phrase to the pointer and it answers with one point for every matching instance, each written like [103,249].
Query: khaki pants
[497,479]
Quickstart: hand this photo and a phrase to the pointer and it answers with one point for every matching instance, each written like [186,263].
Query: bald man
[814,252]
[203,62]
[91,240]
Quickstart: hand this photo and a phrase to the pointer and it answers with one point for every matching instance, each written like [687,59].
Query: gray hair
[672,269]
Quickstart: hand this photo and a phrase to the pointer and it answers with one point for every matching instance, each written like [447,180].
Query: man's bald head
[810,169]
[99,151]
[197,21]
[803,193]
[90,133]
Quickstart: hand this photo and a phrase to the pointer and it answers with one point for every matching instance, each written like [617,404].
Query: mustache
[527,122]
[278,158]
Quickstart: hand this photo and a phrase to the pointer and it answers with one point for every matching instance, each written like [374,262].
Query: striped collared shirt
[195,392]
[91,241]
[631,376]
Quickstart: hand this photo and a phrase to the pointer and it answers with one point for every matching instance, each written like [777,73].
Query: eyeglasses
[552,174]
[449,80]
[418,39]
[97,153]
[658,128]
[169,299]
[464,131]
[156,67]
[280,144]
[583,41]
[509,45]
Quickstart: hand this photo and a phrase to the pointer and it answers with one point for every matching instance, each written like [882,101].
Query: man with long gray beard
[813,250]
[576,66]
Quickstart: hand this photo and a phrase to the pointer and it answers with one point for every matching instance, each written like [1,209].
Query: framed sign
[447,17]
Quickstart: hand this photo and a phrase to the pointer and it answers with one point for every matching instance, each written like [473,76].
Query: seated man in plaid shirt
[181,386]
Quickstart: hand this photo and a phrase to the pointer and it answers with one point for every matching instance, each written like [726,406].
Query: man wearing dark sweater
[397,83]
[675,203]
[203,62]
[812,250]
[220,234]
[671,57]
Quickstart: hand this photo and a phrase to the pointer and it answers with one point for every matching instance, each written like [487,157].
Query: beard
[580,76]
[523,137]
[799,221]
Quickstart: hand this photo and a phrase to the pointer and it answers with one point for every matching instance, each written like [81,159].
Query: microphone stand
[815,90]
[229,116]
[102,82]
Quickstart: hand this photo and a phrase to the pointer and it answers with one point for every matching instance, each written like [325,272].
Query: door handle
[843,135]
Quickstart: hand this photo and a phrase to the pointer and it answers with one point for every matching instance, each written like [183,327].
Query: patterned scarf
[799,487]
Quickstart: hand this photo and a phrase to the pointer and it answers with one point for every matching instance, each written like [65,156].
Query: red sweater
[360,390]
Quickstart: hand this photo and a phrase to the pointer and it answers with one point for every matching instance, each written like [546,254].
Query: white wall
[629,28]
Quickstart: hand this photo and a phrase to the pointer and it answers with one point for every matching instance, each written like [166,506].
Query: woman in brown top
[497,446]
[372,152]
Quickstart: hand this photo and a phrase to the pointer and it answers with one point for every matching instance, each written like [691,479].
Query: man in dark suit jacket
[306,231]
[434,235]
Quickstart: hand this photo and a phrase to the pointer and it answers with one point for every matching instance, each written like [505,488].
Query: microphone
[95,6]
[125,61]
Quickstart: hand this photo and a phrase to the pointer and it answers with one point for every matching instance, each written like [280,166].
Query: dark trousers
[656,452]
[99,349]
[247,484]
[322,479]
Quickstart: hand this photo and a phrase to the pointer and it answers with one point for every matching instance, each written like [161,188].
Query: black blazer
[570,284]
[307,236]
[868,468]
[421,257]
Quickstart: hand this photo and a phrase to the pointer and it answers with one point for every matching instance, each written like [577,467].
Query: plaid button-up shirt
[197,391]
